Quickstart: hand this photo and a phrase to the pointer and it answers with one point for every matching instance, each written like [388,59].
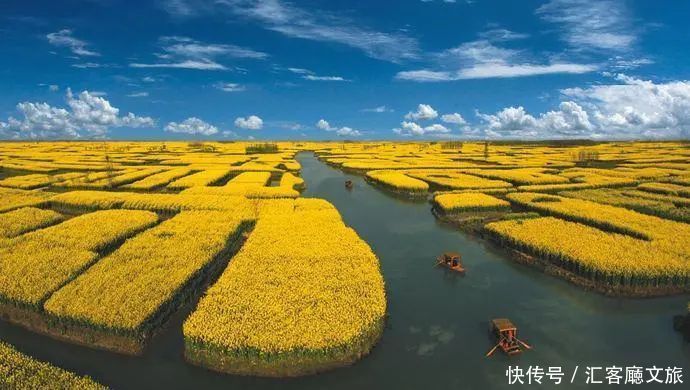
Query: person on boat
[510,340]
[454,262]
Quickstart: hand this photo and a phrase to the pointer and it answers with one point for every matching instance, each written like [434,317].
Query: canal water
[436,335]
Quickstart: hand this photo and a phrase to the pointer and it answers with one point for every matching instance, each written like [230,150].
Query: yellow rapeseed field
[22,220]
[276,299]
[398,181]
[469,201]
[203,178]
[453,179]
[159,179]
[115,236]
[125,290]
[11,199]
[37,263]
[612,258]
[21,372]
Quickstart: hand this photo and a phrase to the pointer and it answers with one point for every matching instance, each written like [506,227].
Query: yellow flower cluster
[661,207]
[84,180]
[304,288]
[159,179]
[604,216]
[453,179]
[682,180]
[595,254]
[252,166]
[168,203]
[258,178]
[21,372]
[122,178]
[469,201]
[29,182]
[288,180]
[23,165]
[668,239]
[11,199]
[520,176]
[290,166]
[249,190]
[203,178]
[22,220]
[666,188]
[677,200]
[581,183]
[37,263]
[129,289]
[398,181]
[626,172]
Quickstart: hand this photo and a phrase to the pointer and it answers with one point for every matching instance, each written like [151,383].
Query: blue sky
[410,69]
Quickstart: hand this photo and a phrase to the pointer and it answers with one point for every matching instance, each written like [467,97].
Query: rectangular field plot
[116,179]
[660,206]
[469,201]
[398,181]
[28,182]
[204,178]
[616,219]
[19,221]
[159,179]
[521,176]
[37,263]
[609,258]
[452,179]
[165,203]
[135,288]
[11,198]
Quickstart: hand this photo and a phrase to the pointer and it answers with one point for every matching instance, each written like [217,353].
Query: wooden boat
[505,334]
[452,261]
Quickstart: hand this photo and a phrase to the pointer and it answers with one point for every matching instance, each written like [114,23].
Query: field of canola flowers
[101,242]
[21,372]
[610,216]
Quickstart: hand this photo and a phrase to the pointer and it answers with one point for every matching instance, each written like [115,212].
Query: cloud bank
[87,116]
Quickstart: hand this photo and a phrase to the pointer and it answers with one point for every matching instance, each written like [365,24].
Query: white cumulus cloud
[413,129]
[569,121]
[344,131]
[348,132]
[324,125]
[251,122]
[191,125]
[629,109]
[424,112]
[638,108]
[453,118]
[87,115]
